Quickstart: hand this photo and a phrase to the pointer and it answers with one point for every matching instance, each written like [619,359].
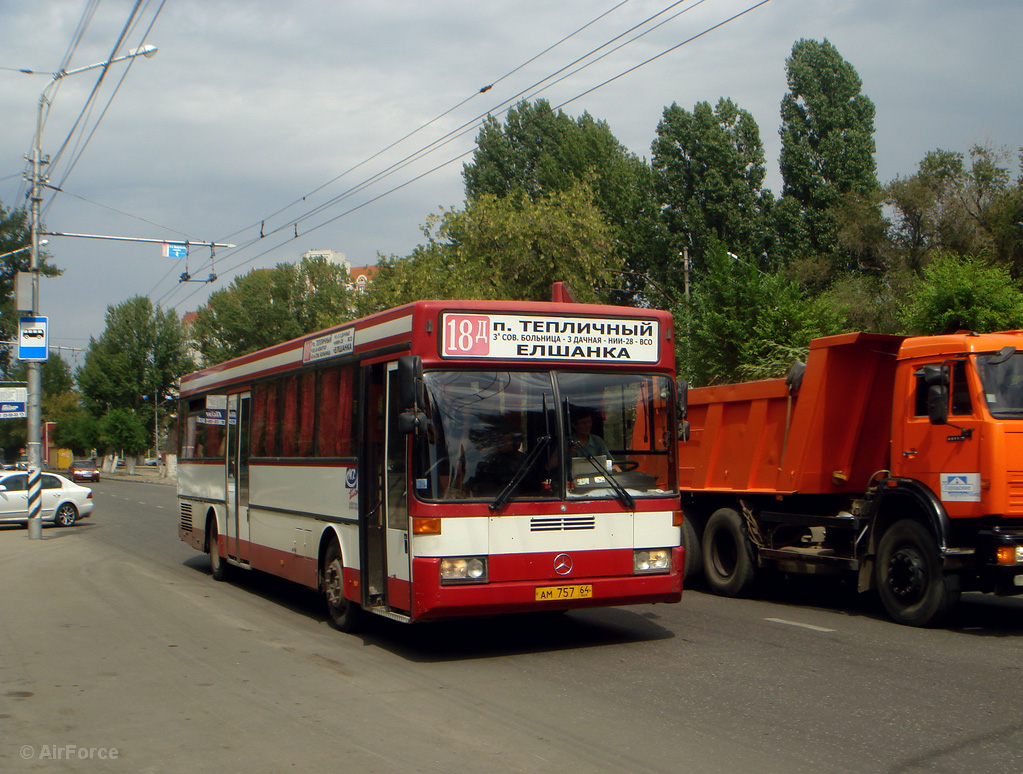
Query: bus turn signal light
[425,526]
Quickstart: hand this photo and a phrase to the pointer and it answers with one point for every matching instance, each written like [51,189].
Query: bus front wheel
[343,612]
[218,567]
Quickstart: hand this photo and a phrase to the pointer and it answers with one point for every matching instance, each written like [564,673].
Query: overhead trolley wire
[471,150]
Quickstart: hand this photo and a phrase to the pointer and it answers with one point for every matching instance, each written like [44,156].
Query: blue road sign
[175,250]
[32,338]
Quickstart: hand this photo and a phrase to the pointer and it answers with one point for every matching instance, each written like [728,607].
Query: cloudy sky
[289,117]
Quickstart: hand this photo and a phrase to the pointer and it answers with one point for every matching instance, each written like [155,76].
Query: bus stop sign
[32,338]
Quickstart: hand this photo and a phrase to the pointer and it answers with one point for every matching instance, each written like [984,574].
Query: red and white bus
[428,461]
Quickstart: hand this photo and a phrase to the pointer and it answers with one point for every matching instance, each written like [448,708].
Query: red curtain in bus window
[327,410]
[306,413]
[289,425]
[256,443]
[272,414]
[344,412]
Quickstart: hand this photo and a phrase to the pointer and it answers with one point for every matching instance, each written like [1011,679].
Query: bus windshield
[557,434]
[1002,378]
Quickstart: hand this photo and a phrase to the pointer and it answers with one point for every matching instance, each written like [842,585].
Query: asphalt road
[118,652]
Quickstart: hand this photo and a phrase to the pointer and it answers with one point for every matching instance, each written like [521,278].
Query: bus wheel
[913,587]
[343,612]
[218,567]
[693,560]
[728,562]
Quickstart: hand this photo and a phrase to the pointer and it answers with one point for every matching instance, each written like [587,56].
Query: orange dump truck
[897,461]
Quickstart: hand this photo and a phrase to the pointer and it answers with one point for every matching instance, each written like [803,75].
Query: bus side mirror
[411,394]
[410,382]
[682,391]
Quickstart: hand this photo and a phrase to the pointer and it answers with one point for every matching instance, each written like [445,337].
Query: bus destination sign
[549,337]
[331,345]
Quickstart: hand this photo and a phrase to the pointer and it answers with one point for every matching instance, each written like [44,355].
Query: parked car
[83,470]
[63,502]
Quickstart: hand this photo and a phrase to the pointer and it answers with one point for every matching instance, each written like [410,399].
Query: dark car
[83,470]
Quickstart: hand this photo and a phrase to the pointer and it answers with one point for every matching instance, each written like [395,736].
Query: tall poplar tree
[827,152]
[708,176]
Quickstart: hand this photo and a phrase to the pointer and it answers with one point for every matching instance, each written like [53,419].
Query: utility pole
[33,445]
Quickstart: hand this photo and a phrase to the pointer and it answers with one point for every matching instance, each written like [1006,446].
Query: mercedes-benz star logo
[562,564]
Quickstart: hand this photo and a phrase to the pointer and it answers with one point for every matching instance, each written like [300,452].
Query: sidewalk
[144,474]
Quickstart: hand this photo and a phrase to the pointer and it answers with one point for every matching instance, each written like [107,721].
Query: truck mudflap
[999,560]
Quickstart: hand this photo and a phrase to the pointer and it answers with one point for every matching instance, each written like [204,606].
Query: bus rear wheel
[343,612]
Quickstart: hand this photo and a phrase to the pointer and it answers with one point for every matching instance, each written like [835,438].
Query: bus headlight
[651,560]
[463,569]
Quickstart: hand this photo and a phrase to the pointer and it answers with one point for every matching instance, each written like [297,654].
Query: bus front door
[238,477]
[384,517]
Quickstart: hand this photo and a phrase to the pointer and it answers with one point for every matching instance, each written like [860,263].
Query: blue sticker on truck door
[960,487]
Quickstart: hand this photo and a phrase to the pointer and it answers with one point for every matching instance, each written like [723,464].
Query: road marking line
[801,625]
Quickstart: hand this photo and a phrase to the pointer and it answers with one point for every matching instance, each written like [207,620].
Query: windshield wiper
[541,443]
[625,498]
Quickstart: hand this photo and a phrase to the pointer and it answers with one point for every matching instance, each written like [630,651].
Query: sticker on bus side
[549,337]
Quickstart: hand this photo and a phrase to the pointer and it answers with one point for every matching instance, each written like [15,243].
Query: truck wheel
[728,562]
[343,612]
[693,560]
[914,589]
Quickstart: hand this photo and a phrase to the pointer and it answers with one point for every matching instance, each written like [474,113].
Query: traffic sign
[12,402]
[32,338]
[175,250]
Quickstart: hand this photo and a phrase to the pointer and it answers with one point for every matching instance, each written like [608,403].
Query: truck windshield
[1003,384]
[561,434]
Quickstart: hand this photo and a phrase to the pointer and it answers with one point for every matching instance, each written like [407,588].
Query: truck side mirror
[937,404]
[936,379]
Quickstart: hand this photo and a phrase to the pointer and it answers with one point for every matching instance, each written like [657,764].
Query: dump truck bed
[829,435]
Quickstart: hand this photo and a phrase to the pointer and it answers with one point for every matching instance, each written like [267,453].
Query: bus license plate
[562,593]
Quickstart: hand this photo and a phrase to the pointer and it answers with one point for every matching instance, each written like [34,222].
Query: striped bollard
[35,503]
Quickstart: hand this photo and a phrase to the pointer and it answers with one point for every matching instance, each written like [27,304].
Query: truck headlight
[651,560]
[463,569]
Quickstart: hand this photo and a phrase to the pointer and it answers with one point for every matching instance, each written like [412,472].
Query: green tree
[268,306]
[963,293]
[142,352]
[827,152]
[708,176]
[745,323]
[542,153]
[60,401]
[509,248]
[122,431]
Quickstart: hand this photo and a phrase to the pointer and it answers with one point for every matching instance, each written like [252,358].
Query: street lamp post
[34,403]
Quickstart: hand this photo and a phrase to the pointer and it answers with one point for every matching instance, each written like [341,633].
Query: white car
[63,502]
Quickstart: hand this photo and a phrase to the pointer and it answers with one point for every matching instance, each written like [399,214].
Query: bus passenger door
[238,476]
[384,516]
[399,592]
